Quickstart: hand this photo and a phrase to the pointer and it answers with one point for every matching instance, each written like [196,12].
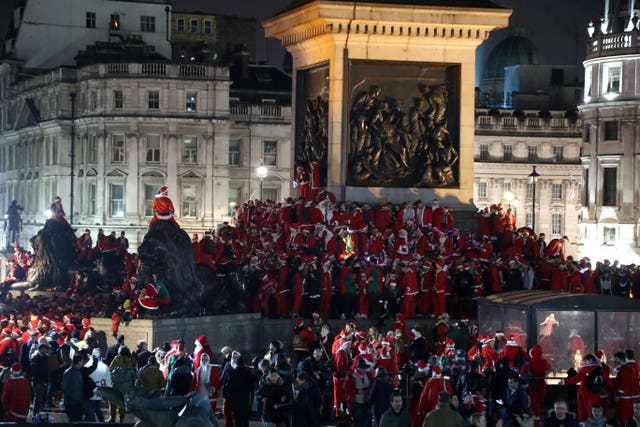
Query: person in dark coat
[238,387]
[276,398]
[39,378]
[72,389]
[26,351]
[112,351]
[560,417]
[308,403]
[516,401]
[380,395]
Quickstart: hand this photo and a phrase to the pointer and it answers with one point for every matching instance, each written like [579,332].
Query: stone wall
[247,332]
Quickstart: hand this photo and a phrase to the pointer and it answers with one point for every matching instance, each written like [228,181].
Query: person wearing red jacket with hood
[433,386]
[206,379]
[342,362]
[627,388]
[536,369]
[16,396]
[201,347]
[586,397]
[410,281]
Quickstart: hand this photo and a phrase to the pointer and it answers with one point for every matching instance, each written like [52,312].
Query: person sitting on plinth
[57,211]
[156,295]
[162,207]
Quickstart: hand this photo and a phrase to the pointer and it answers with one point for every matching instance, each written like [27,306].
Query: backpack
[595,381]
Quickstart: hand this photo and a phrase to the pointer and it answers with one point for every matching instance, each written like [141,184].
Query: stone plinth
[341,50]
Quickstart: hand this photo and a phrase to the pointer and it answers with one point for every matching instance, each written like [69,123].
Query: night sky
[557,27]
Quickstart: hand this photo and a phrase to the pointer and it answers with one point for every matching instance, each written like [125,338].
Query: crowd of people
[317,258]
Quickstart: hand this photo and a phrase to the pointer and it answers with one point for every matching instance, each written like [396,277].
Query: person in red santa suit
[301,181]
[441,288]
[576,347]
[488,354]
[574,279]
[316,180]
[201,347]
[436,213]
[410,280]
[586,397]
[514,353]
[342,362]
[85,245]
[433,386]
[326,286]
[556,247]
[401,245]
[206,379]
[266,293]
[16,396]
[427,274]
[626,386]
[162,207]
[537,368]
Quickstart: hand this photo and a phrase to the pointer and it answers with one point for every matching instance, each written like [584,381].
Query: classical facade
[611,146]
[107,132]
[506,149]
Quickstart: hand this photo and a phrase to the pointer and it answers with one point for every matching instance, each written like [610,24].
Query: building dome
[514,50]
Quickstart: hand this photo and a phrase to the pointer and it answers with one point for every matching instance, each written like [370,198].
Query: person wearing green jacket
[396,415]
[444,415]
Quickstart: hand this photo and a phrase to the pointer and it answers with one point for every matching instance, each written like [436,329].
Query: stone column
[207,199]
[173,157]
[101,179]
[132,190]
[220,173]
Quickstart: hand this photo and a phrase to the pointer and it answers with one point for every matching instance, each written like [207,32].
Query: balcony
[488,122]
[128,69]
[245,112]
[602,45]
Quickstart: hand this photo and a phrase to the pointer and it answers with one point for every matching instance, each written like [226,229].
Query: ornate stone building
[507,148]
[106,134]
[611,146]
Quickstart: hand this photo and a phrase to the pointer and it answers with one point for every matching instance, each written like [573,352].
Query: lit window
[147,24]
[153,97]
[588,83]
[556,191]
[609,237]
[482,190]
[235,196]
[270,193]
[189,201]
[190,150]
[118,99]
[234,152]
[556,223]
[529,219]
[153,148]
[149,195]
[530,190]
[91,199]
[115,22]
[506,186]
[192,101]
[116,205]
[117,148]
[611,78]
[270,154]
[90,20]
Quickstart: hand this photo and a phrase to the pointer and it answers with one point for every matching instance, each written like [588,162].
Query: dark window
[194,25]
[91,20]
[147,24]
[154,99]
[181,25]
[557,76]
[611,130]
[610,187]
[114,22]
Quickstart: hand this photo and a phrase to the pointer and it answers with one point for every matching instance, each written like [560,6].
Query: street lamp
[508,197]
[261,172]
[533,177]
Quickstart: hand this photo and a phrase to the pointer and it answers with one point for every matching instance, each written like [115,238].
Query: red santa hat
[57,198]
[499,334]
[541,235]
[362,335]
[362,348]
[598,354]
[16,368]
[163,189]
[86,322]
[422,366]
[511,340]
[385,352]
[436,371]
[566,238]
[299,323]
